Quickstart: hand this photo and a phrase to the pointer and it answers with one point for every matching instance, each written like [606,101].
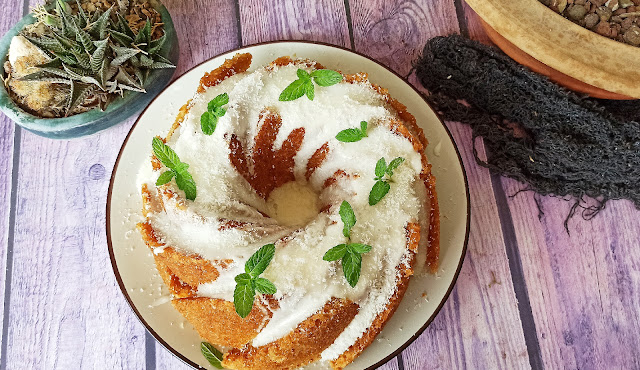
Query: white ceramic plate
[133,263]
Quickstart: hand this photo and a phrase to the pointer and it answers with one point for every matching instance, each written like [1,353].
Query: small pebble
[603,28]
[591,20]
[625,3]
[632,36]
[576,12]
[626,23]
[612,4]
[604,13]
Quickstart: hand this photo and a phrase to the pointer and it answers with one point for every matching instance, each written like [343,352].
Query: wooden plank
[205,29]
[394,33]
[479,326]
[66,310]
[12,12]
[321,20]
[6,168]
[583,287]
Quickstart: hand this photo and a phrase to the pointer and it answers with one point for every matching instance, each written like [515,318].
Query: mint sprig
[349,253]
[304,84]
[383,178]
[177,169]
[348,218]
[249,282]
[351,135]
[212,354]
[209,119]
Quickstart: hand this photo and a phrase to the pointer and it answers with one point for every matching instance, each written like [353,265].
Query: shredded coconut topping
[304,281]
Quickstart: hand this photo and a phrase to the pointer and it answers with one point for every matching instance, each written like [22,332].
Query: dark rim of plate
[115,168]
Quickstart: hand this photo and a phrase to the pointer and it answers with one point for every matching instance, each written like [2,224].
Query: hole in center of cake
[293,204]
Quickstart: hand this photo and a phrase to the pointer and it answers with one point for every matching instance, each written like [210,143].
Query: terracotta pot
[558,77]
[567,53]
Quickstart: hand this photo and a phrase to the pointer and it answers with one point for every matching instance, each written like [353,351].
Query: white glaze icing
[304,281]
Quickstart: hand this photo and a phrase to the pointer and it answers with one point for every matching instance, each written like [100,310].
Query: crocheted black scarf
[551,139]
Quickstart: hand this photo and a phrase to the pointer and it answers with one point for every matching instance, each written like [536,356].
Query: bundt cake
[286,210]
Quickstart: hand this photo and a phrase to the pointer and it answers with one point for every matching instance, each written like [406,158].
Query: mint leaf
[165,154]
[295,90]
[349,135]
[185,182]
[243,297]
[181,167]
[218,102]
[259,261]
[170,159]
[248,282]
[165,177]
[303,75]
[359,248]
[264,286]
[209,119]
[379,190]
[351,266]
[208,122]
[304,86]
[326,77]
[219,111]
[243,278]
[348,218]
[381,167]
[363,128]
[309,90]
[335,253]
[212,354]
[393,165]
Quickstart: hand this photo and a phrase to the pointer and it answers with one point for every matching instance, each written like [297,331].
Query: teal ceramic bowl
[94,120]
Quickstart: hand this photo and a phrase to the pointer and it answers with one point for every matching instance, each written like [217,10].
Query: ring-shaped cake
[273,172]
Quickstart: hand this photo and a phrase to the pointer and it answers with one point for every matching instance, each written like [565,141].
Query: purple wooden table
[529,295]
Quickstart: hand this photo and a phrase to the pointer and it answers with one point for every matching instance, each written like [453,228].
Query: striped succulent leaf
[97,53]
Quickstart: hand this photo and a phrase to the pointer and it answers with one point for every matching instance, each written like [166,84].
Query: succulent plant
[96,53]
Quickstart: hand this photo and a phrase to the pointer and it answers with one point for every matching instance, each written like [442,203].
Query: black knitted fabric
[551,139]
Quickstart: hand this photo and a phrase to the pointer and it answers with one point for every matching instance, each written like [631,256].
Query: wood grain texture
[205,28]
[394,32]
[480,325]
[584,287]
[11,13]
[6,168]
[321,20]
[66,308]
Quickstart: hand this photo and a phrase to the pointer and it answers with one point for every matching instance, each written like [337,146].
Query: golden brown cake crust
[297,348]
[216,320]
[404,273]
